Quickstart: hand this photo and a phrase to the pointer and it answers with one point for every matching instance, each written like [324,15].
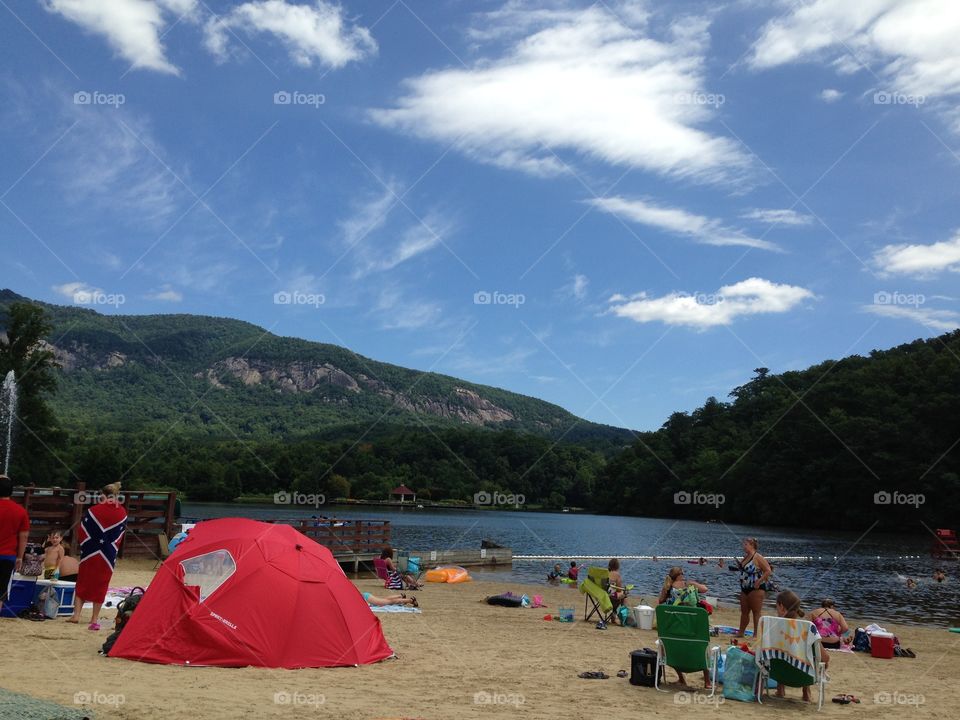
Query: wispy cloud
[313,34]
[583,81]
[702,229]
[701,311]
[830,95]
[937,320]
[787,217]
[165,294]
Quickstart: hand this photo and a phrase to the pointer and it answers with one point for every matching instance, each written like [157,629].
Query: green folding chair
[781,671]
[596,598]
[683,642]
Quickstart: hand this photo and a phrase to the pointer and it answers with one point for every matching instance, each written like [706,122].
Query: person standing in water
[755,571]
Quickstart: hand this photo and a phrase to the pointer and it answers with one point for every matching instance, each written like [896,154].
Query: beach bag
[861,641]
[739,675]
[51,604]
[32,565]
[125,609]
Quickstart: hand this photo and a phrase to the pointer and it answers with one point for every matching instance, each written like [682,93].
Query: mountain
[219,377]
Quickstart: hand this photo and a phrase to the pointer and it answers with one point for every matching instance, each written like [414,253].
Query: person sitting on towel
[830,624]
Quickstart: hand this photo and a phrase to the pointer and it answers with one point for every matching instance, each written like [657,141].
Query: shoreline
[458,658]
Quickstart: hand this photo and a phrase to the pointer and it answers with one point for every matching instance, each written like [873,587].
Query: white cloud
[369,216]
[105,159]
[165,294]
[829,95]
[76,291]
[938,320]
[398,312]
[580,81]
[416,240]
[747,297]
[131,27]
[912,42]
[778,217]
[678,221]
[318,33]
[919,260]
[579,288]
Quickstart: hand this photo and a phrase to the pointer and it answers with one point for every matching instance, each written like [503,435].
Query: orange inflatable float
[448,574]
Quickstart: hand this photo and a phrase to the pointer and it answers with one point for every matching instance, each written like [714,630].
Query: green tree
[37,437]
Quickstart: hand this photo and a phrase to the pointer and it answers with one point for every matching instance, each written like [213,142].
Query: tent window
[209,571]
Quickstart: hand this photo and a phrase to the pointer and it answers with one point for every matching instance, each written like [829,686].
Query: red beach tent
[239,592]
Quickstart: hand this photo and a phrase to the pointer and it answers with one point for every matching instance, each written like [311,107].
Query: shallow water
[865,579]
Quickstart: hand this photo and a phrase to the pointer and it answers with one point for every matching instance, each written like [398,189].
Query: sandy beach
[460,658]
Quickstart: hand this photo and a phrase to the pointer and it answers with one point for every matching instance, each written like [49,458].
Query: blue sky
[620,207]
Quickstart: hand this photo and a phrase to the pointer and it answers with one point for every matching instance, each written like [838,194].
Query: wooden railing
[149,513]
[347,537]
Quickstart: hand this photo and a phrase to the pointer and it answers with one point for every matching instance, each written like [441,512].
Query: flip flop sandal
[909,653]
[594,675]
[622,674]
[415,603]
[93,626]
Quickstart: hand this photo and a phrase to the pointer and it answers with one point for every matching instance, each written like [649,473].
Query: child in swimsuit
[52,555]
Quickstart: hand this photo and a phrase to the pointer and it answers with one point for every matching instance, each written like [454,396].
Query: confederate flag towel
[101,531]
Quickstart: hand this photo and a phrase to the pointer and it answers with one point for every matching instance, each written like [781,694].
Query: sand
[453,658]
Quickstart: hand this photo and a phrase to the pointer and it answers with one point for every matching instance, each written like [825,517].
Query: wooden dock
[465,558]
[352,542]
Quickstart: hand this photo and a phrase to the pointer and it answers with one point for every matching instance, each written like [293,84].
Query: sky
[622,207]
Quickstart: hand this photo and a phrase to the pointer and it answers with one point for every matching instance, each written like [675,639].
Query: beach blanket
[792,641]
[394,609]
[101,532]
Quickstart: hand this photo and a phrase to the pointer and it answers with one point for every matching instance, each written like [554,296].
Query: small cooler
[881,645]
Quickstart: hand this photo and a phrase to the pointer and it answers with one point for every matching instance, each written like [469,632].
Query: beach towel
[792,641]
[101,532]
[394,609]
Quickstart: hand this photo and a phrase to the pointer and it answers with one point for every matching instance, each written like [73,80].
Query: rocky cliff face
[74,356]
[466,406]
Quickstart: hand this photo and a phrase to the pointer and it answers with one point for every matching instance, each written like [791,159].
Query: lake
[867,578]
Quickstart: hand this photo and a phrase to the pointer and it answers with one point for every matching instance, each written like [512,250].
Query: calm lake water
[867,578]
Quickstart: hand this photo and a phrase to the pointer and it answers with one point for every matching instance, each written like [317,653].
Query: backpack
[125,609]
[861,641]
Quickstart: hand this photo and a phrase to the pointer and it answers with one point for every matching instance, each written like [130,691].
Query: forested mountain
[812,447]
[217,377]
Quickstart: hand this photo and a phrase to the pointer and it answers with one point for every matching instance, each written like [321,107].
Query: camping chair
[772,661]
[381,567]
[683,642]
[596,598]
[163,549]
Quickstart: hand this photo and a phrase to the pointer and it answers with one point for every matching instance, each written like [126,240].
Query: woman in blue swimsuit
[755,571]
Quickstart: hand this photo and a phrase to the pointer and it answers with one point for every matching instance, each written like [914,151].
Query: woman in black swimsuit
[754,573]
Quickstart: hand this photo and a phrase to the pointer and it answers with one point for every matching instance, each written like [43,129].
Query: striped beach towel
[790,640]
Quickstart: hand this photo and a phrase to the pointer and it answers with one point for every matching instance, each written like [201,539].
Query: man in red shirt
[14,528]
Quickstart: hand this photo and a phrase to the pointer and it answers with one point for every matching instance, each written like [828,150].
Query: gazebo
[404,492]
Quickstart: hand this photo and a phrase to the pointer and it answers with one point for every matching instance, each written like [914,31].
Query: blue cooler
[20,596]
